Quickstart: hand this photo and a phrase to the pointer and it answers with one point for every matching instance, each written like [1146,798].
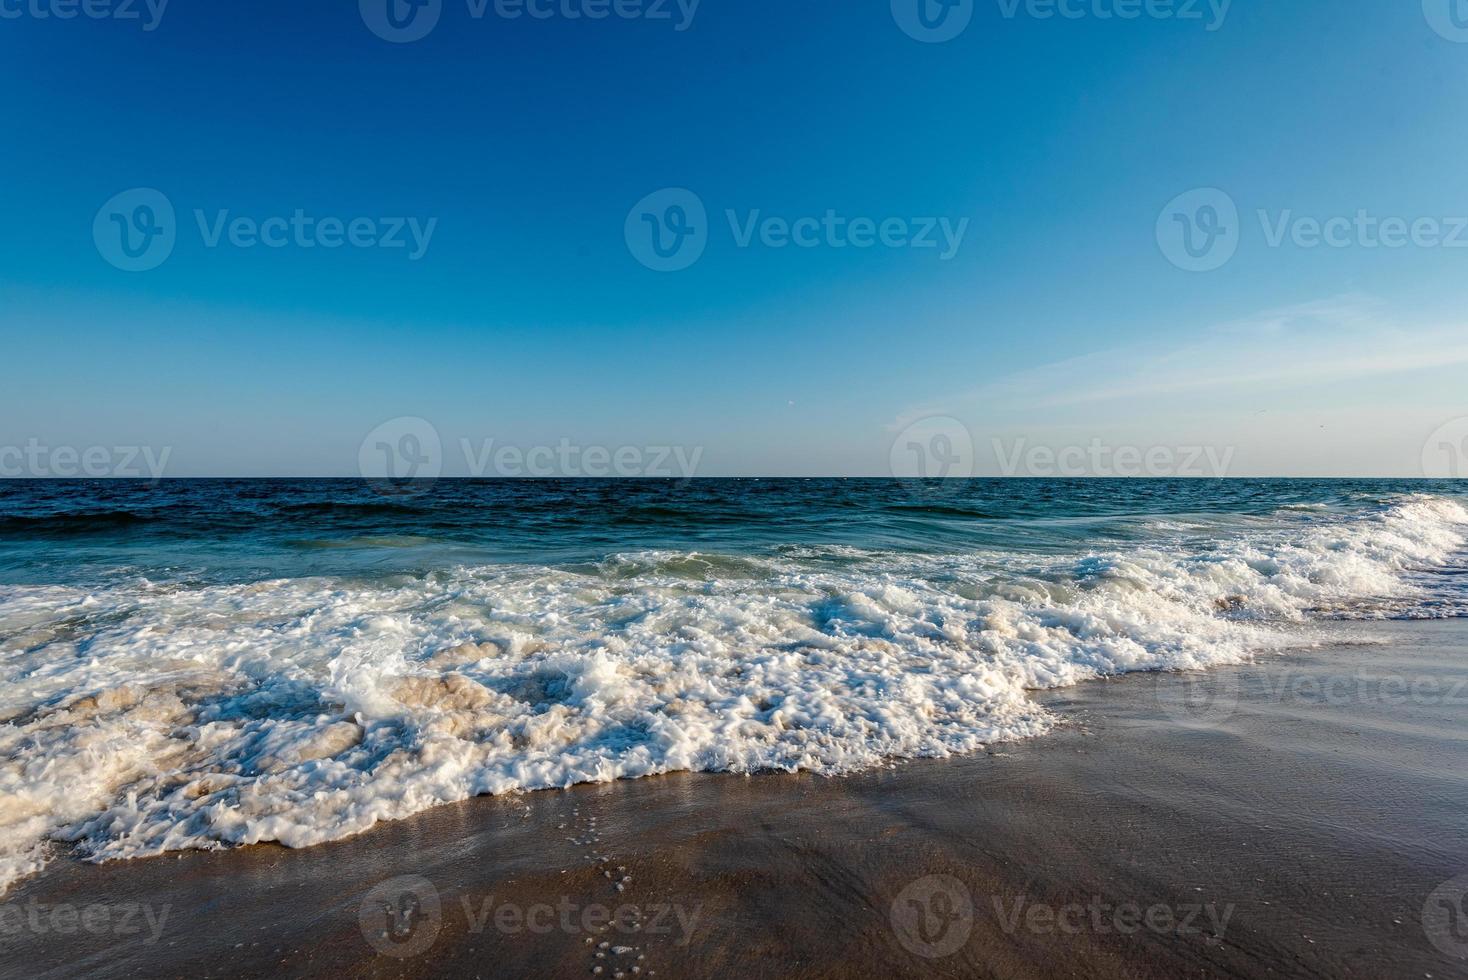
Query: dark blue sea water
[199,663]
[223,530]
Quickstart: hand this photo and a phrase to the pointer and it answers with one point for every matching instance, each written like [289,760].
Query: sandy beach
[1305,815]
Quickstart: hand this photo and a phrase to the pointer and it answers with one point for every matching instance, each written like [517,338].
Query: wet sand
[1289,818]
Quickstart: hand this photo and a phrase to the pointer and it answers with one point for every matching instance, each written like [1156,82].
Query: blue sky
[1056,143]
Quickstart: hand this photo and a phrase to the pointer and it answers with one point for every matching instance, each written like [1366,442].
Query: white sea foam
[146,718]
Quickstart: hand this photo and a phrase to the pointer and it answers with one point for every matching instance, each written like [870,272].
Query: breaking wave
[146,717]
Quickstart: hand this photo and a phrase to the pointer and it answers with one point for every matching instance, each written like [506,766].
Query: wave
[363,541]
[362,508]
[944,510]
[302,710]
[81,522]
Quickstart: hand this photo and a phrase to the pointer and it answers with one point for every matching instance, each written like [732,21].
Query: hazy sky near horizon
[1241,226]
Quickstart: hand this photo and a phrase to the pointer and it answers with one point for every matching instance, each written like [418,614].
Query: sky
[785,237]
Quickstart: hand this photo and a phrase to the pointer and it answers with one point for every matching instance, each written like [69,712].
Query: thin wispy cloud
[1334,339]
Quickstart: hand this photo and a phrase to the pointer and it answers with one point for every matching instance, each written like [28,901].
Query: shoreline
[1292,815]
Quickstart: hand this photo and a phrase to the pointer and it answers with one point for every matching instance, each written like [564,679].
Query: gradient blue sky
[529,321]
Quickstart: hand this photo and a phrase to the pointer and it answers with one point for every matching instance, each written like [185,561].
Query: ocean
[208,663]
